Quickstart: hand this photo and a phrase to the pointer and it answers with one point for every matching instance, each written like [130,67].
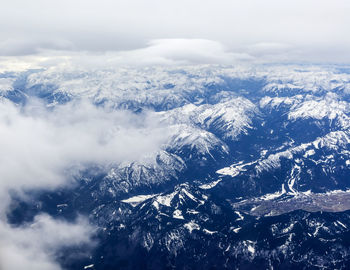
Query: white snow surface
[136,200]
[210,185]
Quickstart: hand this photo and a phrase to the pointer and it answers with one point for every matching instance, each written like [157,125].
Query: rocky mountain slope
[253,173]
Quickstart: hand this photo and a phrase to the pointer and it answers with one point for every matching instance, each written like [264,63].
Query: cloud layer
[314,30]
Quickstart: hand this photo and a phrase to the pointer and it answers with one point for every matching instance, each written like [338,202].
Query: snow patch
[178,214]
[209,232]
[136,200]
[210,185]
[166,199]
[190,226]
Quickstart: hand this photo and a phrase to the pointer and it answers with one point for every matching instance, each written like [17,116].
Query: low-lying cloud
[34,246]
[43,148]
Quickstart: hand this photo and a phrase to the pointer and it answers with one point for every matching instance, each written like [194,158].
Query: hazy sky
[272,30]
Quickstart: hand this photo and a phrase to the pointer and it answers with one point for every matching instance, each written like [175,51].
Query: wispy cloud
[43,148]
[40,146]
[34,246]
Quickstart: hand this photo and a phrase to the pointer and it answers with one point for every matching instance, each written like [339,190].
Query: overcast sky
[273,30]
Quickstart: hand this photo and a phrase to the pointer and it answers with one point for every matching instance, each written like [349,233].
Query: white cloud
[39,147]
[33,246]
[42,148]
[180,51]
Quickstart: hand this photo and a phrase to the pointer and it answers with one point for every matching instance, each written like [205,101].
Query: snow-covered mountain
[253,170]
